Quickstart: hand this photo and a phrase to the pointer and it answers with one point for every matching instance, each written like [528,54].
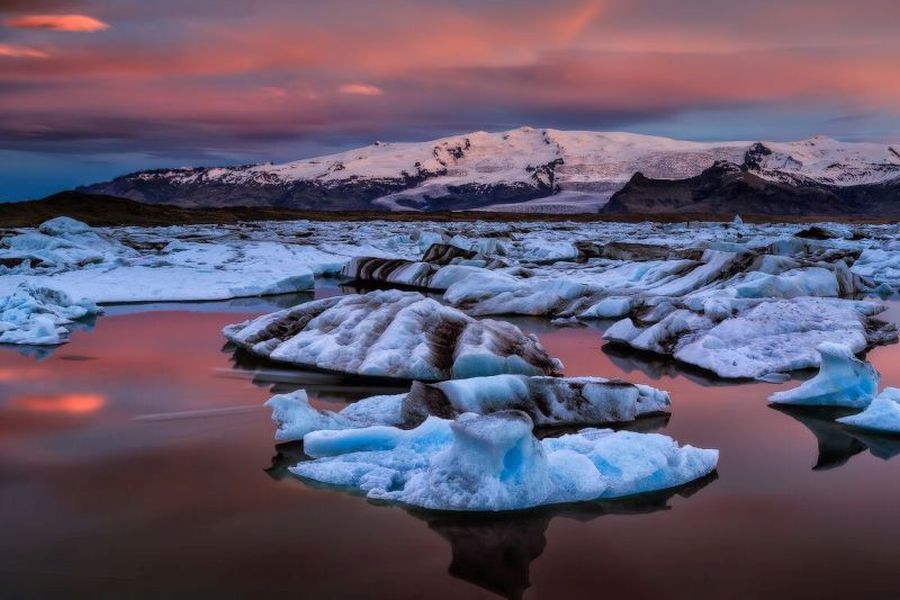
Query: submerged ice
[494,463]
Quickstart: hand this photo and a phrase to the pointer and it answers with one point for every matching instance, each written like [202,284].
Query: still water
[137,460]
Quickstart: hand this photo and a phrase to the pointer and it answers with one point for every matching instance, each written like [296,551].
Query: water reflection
[173,460]
[253,304]
[495,551]
[280,378]
[838,442]
[657,366]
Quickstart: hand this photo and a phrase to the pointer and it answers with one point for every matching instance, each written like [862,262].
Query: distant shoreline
[99,211]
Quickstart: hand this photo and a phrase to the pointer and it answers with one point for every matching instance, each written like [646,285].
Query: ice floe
[548,401]
[881,415]
[494,463]
[40,316]
[682,280]
[754,339]
[294,417]
[106,265]
[392,334]
[842,380]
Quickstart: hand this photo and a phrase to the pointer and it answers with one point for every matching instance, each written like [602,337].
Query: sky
[91,89]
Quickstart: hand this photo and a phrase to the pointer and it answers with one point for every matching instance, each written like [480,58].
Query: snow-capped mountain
[521,169]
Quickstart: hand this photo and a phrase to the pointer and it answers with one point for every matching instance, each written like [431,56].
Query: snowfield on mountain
[525,169]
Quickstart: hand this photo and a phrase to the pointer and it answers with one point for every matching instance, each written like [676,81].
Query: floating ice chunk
[294,417]
[62,226]
[883,414]
[494,463]
[608,308]
[540,251]
[428,238]
[438,269]
[487,246]
[63,243]
[547,400]
[494,293]
[813,281]
[843,380]
[387,270]
[738,338]
[392,334]
[39,316]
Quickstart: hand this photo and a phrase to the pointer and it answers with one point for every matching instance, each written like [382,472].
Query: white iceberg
[392,334]
[494,463]
[40,316]
[842,380]
[882,414]
[294,417]
[63,243]
[548,401]
[737,338]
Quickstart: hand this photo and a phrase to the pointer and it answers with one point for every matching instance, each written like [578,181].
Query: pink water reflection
[120,505]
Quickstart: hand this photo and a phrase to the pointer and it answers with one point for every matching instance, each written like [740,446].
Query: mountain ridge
[523,169]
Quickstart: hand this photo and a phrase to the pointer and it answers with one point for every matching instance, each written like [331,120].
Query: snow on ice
[392,334]
[681,289]
[40,316]
[548,401]
[494,463]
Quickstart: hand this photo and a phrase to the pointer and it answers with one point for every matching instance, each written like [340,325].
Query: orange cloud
[67,404]
[360,89]
[79,23]
[12,51]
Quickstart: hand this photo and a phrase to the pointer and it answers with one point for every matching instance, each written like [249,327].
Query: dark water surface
[137,460]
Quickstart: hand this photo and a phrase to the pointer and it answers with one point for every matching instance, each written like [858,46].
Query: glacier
[494,463]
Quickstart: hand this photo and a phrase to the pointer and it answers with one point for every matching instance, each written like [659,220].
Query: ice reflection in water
[839,442]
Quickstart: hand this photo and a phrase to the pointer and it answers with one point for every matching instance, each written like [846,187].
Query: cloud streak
[360,89]
[70,23]
[14,51]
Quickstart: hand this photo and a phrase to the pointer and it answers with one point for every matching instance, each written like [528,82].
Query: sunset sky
[93,89]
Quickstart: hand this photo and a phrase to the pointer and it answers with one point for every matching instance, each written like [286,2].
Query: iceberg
[39,316]
[494,463]
[294,417]
[756,339]
[882,414]
[393,334]
[842,380]
[548,401]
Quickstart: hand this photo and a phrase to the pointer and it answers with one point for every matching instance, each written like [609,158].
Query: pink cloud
[13,51]
[360,89]
[78,23]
